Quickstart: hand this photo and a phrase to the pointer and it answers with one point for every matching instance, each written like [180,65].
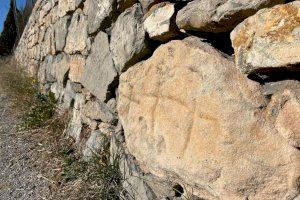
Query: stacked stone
[222,126]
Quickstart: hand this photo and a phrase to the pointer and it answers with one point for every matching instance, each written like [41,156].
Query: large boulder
[268,40]
[99,72]
[197,120]
[77,33]
[128,38]
[97,12]
[219,15]
[160,22]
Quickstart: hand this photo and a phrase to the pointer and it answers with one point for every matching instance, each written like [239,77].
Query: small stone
[160,22]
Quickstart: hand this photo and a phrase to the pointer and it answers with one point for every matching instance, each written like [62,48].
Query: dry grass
[60,164]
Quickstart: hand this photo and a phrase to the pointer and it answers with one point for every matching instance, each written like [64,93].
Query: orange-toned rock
[197,120]
[76,63]
[269,39]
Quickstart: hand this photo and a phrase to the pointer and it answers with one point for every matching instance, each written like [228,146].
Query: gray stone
[75,125]
[60,33]
[160,22]
[46,73]
[99,72]
[98,111]
[97,12]
[79,101]
[48,44]
[60,64]
[93,145]
[70,94]
[112,104]
[136,186]
[57,90]
[77,33]
[128,38]
[219,15]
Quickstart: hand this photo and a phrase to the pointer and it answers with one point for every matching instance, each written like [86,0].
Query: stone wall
[159,80]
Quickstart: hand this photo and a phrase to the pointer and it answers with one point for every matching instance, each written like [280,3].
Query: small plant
[73,167]
[106,174]
[41,110]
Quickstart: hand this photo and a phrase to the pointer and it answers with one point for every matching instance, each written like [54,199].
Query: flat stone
[160,22]
[77,33]
[269,40]
[128,38]
[198,120]
[99,72]
[219,15]
[76,63]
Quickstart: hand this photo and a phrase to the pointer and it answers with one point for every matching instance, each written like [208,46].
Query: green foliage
[73,167]
[42,109]
[9,33]
[106,174]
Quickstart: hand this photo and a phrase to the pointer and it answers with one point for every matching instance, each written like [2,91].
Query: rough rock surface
[218,15]
[93,145]
[77,33]
[160,22]
[97,11]
[128,38]
[98,111]
[220,132]
[284,109]
[269,39]
[99,72]
[76,63]
[65,6]
[60,33]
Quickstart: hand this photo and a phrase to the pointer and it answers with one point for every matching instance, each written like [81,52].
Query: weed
[39,112]
[73,167]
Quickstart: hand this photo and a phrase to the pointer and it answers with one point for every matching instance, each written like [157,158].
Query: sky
[4,7]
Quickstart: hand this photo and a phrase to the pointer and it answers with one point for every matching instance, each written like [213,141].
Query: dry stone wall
[155,77]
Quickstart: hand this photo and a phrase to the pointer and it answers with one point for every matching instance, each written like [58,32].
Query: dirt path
[32,166]
[20,173]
